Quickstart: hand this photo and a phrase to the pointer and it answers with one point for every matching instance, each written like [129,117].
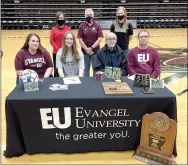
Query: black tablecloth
[80,119]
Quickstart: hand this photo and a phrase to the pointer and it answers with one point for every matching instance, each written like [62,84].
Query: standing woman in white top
[70,61]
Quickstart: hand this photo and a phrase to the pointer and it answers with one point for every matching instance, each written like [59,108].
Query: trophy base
[31,86]
[152,158]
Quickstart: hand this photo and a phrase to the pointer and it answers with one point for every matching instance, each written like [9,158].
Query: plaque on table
[142,80]
[147,90]
[31,86]
[155,83]
[117,88]
[116,73]
[108,72]
[29,80]
[146,81]
[157,139]
[112,72]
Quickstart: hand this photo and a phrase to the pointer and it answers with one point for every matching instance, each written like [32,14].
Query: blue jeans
[88,60]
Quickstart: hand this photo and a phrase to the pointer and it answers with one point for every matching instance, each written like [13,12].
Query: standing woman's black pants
[55,69]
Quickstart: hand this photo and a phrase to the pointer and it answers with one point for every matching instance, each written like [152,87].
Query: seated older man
[110,55]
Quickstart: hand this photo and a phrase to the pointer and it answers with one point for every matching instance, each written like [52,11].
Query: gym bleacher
[31,14]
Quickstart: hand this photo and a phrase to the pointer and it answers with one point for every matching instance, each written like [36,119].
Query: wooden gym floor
[12,40]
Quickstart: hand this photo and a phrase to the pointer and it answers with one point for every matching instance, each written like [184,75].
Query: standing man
[144,59]
[89,35]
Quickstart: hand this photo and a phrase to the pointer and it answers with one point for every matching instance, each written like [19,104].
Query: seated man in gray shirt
[70,61]
[110,55]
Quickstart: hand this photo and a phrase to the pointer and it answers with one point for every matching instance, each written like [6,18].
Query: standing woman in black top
[123,29]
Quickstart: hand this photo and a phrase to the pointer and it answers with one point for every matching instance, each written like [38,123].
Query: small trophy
[116,73]
[157,83]
[157,139]
[108,71]
[29,79]
[112,72]
[138,80]
[99,75]
[142,80]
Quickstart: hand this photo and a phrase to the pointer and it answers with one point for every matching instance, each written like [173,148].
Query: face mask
[61,22]
[88,19]
[121,17]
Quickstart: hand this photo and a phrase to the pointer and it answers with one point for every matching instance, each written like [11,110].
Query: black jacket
[102,59]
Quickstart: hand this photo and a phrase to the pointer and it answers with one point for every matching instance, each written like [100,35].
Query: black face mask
[121,17]
[88,19]
[61,22]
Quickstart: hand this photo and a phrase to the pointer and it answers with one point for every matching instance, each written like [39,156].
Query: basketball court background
[172,45]
[173,71]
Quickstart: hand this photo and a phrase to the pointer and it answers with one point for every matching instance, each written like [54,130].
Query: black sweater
[123,37]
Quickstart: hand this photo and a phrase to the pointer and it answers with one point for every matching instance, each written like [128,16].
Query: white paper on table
[131,77]
[55,87]
[71,80]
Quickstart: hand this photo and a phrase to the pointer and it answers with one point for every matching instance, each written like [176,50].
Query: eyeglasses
[143,36]
[111,39]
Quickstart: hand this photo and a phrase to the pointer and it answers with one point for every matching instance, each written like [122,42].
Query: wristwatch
[92,47]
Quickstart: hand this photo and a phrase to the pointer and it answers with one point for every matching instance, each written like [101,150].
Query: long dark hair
[26,45]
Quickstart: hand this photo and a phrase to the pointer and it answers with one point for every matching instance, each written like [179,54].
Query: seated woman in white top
[70,61]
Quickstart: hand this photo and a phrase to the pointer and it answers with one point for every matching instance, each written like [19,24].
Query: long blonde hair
[75,53]
[125,23]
